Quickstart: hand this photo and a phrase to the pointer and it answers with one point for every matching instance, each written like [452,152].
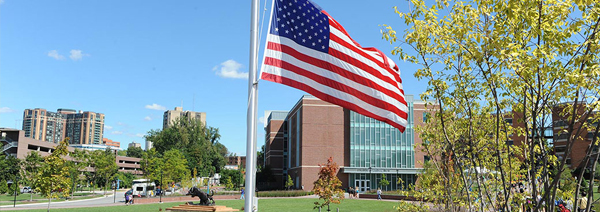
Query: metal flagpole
[249,204]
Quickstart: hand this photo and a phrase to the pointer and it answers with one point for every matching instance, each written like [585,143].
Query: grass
[24,198]
[264,205]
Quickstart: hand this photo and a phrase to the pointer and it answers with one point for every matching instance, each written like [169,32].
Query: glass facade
[377,148]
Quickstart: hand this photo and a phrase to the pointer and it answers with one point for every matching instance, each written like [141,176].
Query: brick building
[112,143]
[14,143]
[297,141]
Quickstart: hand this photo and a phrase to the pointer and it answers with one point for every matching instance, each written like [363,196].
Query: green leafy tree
[486,60]
[328,186]
[197,142]
[77,165]
[135,152]
[106,166]
[236,176]
[383,182]
[289,182]
[229,183]
[52,179]
[151,164]
[122,152]
[125,178]
[175,167]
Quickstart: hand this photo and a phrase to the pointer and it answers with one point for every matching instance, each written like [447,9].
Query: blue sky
[131,60]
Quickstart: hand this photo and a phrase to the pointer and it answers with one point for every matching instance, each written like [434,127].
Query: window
[426,158]
[425,117]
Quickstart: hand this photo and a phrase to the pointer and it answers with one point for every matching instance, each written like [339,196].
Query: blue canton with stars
[302,22]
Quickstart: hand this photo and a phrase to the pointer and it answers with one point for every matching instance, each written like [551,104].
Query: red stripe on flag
[342,72]
[360,51]
[327,98]
[336,85]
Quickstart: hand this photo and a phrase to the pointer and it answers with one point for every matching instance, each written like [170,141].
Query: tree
[125,178]
[53,175]
[77,165]
[228,183]
[106,166]
[383,182]
[289,182]
[236,176]
[151,164]
[484,60]
[175,167]
[198,143]
[122,153]
[328,186]
[134,151]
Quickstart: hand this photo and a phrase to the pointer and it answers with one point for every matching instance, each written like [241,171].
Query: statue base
[189,207]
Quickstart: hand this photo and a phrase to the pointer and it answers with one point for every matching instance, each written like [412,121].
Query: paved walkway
[108,200]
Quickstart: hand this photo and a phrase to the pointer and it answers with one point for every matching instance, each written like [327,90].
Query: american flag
[308,50]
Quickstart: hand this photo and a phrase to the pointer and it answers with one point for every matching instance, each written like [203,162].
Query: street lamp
[10,182]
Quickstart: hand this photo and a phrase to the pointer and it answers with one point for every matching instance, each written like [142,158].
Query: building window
[425,114]
[426,158]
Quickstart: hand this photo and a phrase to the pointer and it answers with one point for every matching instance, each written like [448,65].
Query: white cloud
[230,69]
[147,118]
[116,133]
[6,109]
[139,135]
[54,54]
[155,106]
[77,54]
[262,120]
[106,127]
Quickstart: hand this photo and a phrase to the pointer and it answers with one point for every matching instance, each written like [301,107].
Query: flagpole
[249,204]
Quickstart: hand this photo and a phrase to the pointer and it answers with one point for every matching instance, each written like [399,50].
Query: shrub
[279,193]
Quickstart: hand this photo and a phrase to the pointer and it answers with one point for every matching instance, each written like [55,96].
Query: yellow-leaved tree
[497,72]
[52,179]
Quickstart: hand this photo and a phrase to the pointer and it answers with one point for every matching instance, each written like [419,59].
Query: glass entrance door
[362,185]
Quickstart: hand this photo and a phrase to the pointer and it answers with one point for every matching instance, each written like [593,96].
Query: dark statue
[205,199]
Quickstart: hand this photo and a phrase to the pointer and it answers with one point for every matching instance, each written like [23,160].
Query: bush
[279,193]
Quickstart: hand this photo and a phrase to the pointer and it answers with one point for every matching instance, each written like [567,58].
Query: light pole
[16,187]
[162,190]
[116,182]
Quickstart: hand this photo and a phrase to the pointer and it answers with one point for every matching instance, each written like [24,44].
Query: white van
[143,187]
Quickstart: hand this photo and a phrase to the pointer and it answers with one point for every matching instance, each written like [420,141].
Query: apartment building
[81,127]
[171,115]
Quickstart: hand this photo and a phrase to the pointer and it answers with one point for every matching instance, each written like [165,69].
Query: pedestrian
[378,193]
[126,199]
[582,203]
[131,199]
[242,196]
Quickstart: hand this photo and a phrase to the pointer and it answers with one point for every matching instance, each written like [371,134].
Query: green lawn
[264,205]
[24,198]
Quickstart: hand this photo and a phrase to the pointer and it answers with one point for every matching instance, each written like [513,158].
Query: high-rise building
[85,127]
[81,127]
[44,125]
[148,145]
[297,141]
[172,115]
[134,144]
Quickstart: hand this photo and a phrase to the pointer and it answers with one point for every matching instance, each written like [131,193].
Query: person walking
[378,193]
[242,196]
